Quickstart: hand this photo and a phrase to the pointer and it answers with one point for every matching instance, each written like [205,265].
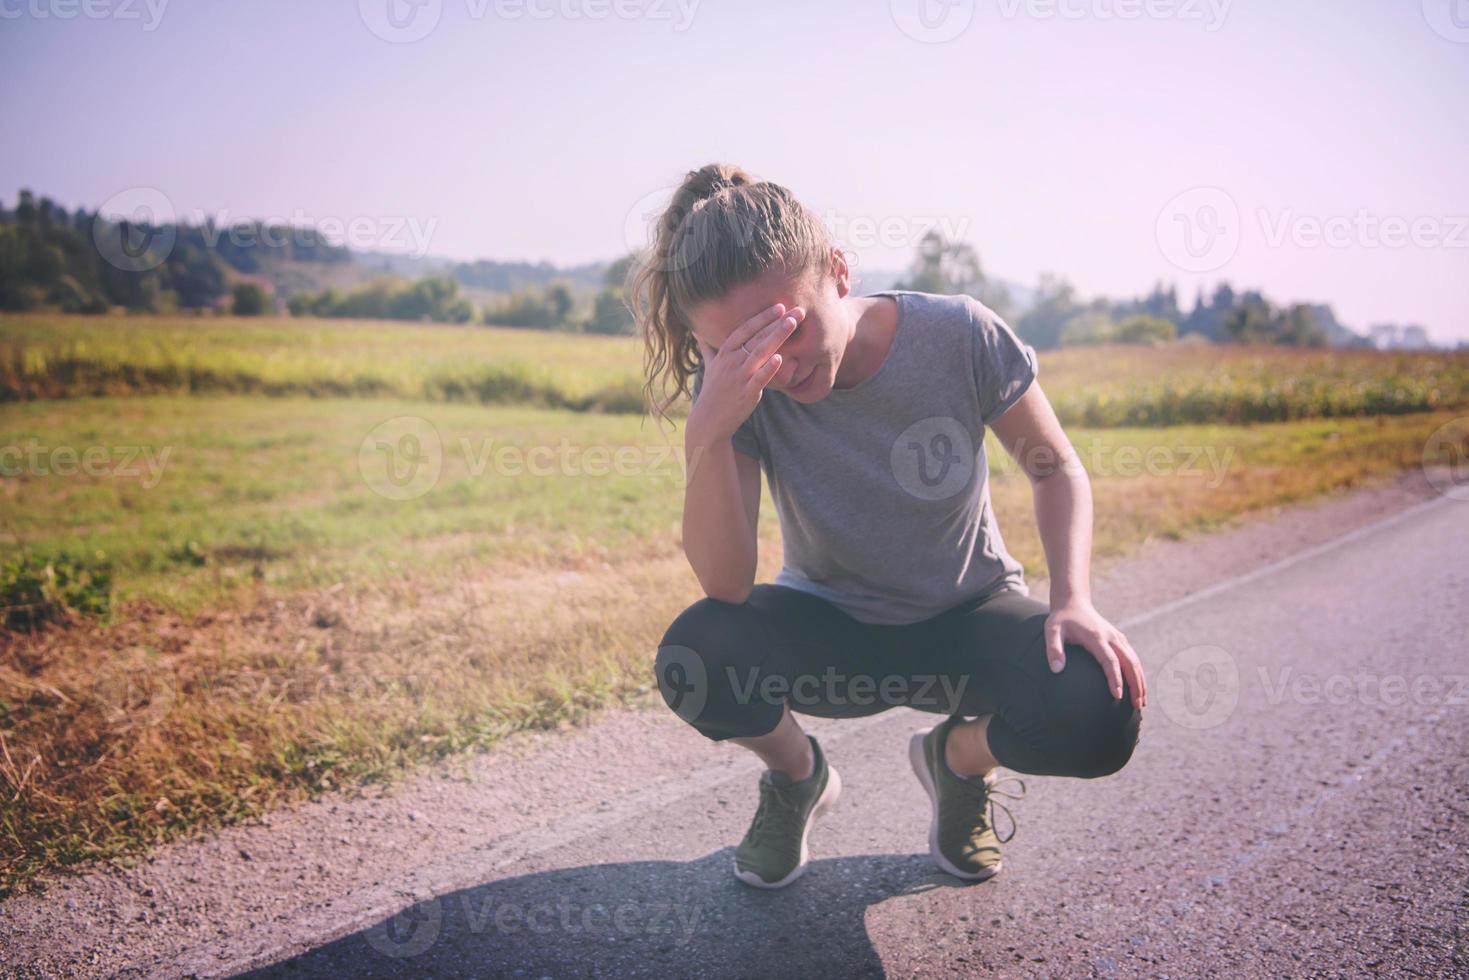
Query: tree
[948,268]
[610,313]
[1055,304]
[1087,328]
[1250,321]
[1145,330]
[1298,326]
[249,300]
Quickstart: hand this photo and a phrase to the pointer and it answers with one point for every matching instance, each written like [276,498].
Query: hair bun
[717,177]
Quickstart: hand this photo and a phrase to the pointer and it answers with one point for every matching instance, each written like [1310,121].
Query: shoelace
[775,807]
[983,793]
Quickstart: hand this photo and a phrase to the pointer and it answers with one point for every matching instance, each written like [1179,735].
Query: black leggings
[728,669]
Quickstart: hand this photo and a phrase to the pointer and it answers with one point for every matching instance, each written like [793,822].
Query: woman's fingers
[768,338]
[1110,665]
[1133,666]
[765,372]
[1055,647]
[768,341]
[753,326]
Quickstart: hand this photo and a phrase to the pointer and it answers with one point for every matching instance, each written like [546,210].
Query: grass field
[290,618]
[57,356]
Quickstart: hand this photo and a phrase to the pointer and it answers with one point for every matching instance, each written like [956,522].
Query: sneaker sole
[920,769]
[826,801]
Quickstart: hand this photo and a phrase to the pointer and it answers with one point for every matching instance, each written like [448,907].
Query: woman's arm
[720,516]
[1031,434]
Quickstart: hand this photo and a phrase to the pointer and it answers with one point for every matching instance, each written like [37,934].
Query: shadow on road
[642,918]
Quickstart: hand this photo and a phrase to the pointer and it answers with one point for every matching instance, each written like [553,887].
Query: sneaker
[961,835]
[773,853]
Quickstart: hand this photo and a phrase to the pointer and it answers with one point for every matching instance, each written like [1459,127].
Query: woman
[867,414]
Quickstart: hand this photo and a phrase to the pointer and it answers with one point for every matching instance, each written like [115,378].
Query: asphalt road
[1298,804]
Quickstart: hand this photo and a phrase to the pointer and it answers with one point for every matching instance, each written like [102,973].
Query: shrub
[250,300]
[37,591]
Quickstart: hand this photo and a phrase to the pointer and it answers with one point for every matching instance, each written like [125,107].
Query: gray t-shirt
[882,490]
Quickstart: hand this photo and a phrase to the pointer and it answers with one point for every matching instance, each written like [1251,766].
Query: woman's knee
[1101,732]
[701,661]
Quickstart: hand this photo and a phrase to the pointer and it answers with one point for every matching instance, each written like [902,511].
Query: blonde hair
[723,228]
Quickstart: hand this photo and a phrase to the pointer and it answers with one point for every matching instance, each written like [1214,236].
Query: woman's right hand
[735,381]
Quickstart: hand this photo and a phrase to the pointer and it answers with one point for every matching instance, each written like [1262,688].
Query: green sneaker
[961,835]
[773,853]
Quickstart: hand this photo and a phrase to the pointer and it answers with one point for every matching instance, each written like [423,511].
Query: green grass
[1178,384]
[63,357]
[230,490]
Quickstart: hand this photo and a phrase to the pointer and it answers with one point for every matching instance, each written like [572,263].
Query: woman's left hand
[1079,622]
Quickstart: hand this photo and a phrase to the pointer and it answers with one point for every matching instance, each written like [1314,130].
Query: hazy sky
[1316,149]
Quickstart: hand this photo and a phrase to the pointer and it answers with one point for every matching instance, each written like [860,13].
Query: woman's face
[811,354]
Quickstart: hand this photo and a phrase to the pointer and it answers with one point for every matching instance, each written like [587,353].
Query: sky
[1315,150]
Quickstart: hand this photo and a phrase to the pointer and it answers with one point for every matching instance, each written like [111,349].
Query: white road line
[1284,563]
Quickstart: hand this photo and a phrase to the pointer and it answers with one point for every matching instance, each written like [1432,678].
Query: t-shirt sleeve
[1004,365]
[744,439]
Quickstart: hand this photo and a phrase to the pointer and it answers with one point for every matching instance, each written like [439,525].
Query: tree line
[83,262]
[1058,317]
